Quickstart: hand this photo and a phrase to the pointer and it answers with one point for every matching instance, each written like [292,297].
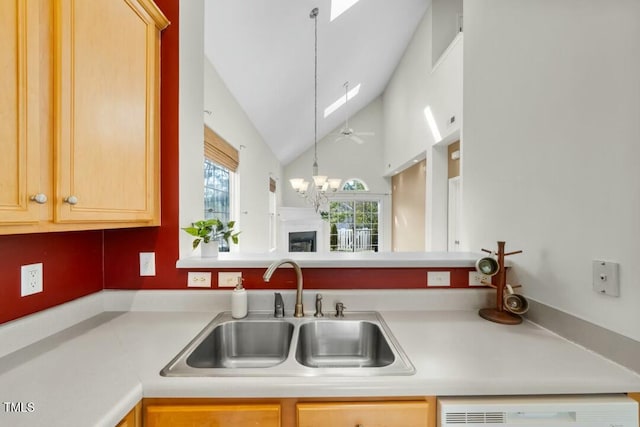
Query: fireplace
[302,230]
[302,241]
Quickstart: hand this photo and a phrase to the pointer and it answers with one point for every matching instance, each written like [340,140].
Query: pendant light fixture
[317,194]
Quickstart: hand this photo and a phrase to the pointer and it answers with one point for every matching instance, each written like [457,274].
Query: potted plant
[210,232]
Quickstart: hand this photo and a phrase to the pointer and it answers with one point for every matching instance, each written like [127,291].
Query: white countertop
[93,373]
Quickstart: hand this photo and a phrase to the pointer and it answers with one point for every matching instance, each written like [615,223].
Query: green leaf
[191,230]
[234,237]
[196,242]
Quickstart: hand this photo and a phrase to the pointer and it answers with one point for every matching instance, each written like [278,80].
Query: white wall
[551,144]
[201,89]
[257,161]
[445,24]
[416,84]
[406,134]
[190,116]
[346,160]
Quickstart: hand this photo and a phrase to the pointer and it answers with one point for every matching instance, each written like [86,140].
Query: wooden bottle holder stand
[499,314]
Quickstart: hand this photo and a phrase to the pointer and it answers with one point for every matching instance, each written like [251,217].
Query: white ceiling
[263,50]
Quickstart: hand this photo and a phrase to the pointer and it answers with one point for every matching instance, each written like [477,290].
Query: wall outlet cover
[476,279]
[229,279]
[31,279]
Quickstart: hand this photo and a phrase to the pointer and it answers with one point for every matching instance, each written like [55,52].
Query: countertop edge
[337,260]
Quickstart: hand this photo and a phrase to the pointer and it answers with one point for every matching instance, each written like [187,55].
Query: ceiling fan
[346,133]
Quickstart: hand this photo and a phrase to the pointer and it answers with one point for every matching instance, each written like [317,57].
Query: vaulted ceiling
[264,52]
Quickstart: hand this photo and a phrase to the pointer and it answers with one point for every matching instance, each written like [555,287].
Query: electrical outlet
[229,279]
[147,263]
[31,279]
[438,278]
[199,279]
[476,279]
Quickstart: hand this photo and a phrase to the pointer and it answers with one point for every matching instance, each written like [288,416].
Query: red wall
[72,267]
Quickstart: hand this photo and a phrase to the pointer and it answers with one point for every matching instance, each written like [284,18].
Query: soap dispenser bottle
[239,306]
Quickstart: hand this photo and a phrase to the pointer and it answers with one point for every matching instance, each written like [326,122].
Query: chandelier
[316,194]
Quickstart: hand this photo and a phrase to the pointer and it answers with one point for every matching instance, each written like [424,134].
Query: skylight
[341,101]
[338,7]
[432,124]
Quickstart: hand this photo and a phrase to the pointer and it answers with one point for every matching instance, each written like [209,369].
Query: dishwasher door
[611,410]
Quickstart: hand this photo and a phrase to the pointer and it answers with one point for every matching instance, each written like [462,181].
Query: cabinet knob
[72,200]
[39,198]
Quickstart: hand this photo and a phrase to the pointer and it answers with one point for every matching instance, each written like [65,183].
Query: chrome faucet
[299,309]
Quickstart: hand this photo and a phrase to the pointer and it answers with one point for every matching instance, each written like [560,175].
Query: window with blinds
[220,162]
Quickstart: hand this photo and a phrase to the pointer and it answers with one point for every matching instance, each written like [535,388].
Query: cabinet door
[249,415]
[19,104]
[133,418]
[365,414]
[106,105]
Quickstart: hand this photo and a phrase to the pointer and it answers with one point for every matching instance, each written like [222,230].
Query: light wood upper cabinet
[80,118]
[106,103]
[19,111]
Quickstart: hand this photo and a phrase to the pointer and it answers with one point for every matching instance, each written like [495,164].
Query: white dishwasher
[615,410]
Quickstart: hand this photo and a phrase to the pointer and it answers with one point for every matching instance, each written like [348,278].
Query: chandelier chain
[316,194]
[314,15]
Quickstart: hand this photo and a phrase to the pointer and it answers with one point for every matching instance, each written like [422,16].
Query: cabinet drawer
[249,415]
[365,414]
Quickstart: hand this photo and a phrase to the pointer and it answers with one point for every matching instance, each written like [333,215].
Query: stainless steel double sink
[359,344]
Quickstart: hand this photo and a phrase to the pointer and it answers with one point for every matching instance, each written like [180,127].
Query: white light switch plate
[147,263]
[31,279]
[199,279]
[605,278]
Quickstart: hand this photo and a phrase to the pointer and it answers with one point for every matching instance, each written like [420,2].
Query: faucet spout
[299,309]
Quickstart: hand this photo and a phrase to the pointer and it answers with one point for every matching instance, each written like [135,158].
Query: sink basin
[360,344]
[343,344]
[243,344]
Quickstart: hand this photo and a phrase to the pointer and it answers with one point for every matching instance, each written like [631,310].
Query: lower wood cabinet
[287,412]
[214,415]
[290,412]
[364,414]
[133,418]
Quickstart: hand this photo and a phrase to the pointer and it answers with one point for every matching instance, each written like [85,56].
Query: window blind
[220,151]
